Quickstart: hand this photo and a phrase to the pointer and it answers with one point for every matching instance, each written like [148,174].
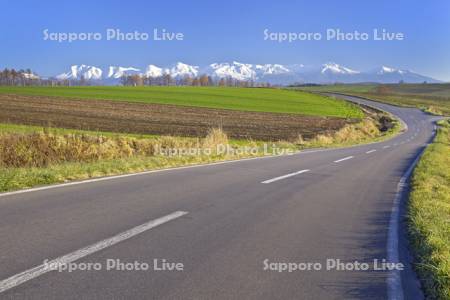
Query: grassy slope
[246,99]
[431,97]
[429,216]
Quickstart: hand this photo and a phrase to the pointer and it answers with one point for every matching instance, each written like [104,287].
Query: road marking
[20,278]
[342,159]
[285,176]
[394,281]
[387,146]
[370,151]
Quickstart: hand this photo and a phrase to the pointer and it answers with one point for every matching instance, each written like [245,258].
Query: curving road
[225,223]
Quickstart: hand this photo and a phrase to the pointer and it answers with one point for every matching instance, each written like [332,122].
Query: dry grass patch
[31,156]
[366,130]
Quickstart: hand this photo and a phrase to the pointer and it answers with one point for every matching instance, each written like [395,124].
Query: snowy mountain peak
[243,71]
[153,71]
[181,70]
[235,70]
[118,72]
[337,69]
[239,64]
[82,71]
[272,73]
[272,69]
[385,70]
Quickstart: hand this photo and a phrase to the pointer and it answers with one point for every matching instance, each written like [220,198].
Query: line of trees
[203,80]
[12,77]
[16,77]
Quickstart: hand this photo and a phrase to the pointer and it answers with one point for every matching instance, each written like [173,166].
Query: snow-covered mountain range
[272,73]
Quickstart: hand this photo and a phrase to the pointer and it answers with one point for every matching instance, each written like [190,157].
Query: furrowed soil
[161,119]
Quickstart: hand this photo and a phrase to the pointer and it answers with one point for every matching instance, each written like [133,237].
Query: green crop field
[245,99]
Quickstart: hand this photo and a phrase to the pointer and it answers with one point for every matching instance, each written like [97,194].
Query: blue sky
[220,31]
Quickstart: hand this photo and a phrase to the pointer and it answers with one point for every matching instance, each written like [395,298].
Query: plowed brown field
[159,119]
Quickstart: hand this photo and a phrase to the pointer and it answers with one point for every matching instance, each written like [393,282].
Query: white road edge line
[385,147]
[394,280]
[370,151]
[32,273]
[342,159]
[285,176]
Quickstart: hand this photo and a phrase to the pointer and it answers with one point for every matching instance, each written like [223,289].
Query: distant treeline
[16,77]
[203,80]
[12,77]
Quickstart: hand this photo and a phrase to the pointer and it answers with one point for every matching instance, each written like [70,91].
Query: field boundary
[405,126]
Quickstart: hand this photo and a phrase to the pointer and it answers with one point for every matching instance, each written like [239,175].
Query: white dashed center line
[342,159]
[37,271]
[285,176]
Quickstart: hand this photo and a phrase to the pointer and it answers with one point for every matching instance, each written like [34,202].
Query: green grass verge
[20,178]
[244,99]
[429,215]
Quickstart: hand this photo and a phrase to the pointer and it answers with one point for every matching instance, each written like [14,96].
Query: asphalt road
[314,207]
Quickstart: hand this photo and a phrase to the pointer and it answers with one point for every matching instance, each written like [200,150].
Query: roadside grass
[432,98]
[32,156]
[429,216]
[243,99]
[366,131]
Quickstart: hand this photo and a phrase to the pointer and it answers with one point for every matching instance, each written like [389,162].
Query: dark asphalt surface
[234,222]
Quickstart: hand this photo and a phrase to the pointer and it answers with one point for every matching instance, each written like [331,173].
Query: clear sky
[221,31]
